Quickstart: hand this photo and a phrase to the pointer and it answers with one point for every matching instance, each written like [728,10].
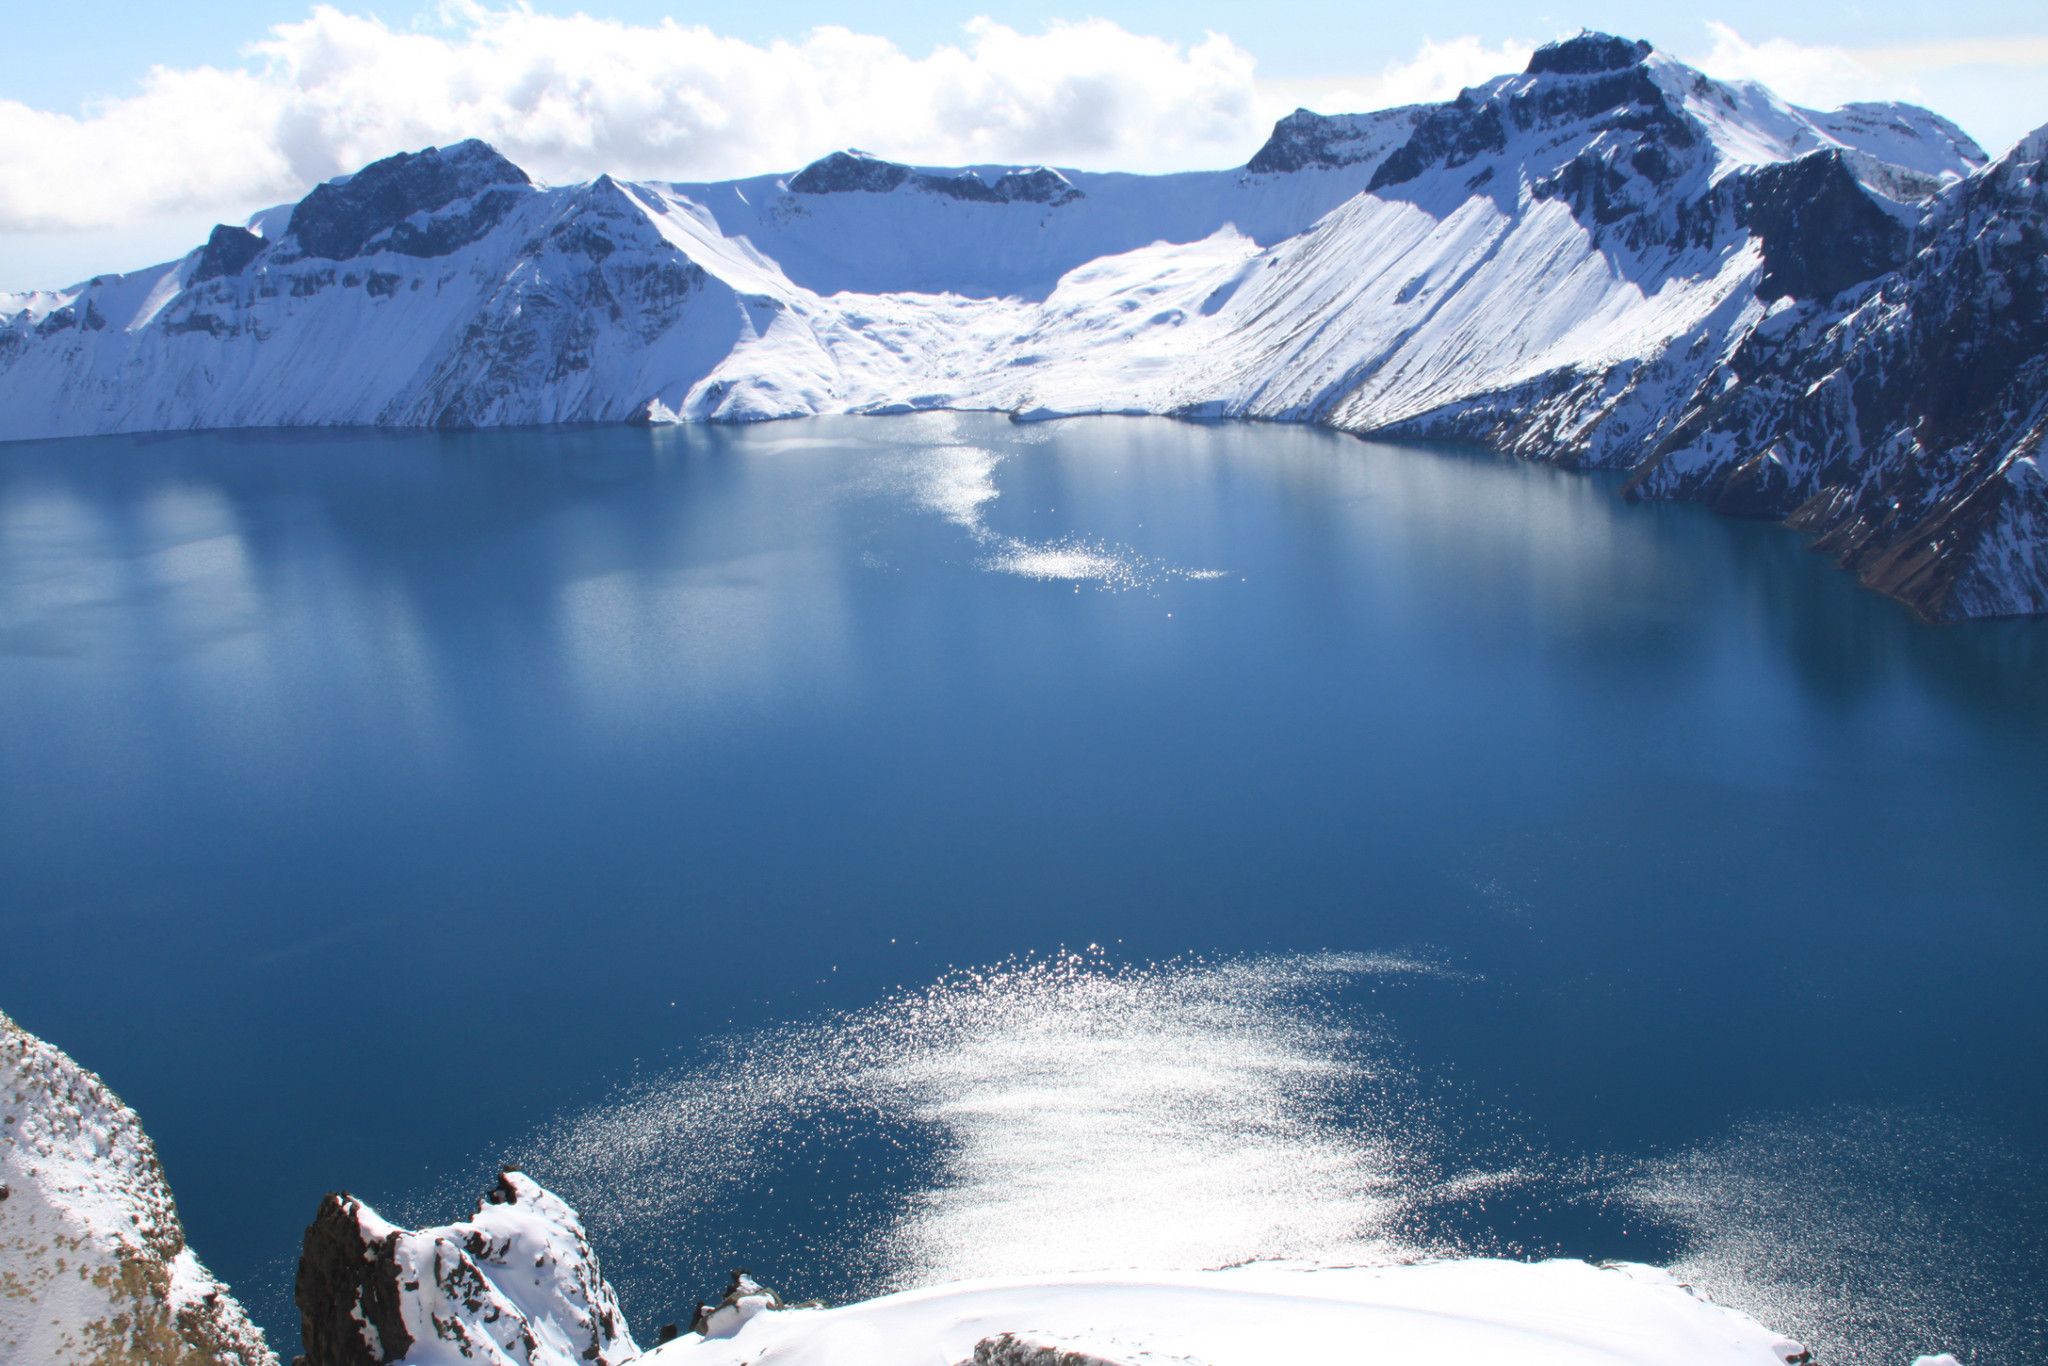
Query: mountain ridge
[1559,263]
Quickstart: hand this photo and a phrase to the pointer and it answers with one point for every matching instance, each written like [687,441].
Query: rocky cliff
[94,1270]
[515,1284]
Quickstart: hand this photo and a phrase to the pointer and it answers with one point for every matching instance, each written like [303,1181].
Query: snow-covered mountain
[1581,262]
[1902,424]
[94,1270]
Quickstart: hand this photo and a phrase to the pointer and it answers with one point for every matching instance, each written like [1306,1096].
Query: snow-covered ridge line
[517,1285]
[93,1262]
[1556,1313]
[1569,263]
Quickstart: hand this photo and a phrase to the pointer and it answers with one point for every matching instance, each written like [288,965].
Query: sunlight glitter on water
[959,484]
[1081,1116]
[1071,1114]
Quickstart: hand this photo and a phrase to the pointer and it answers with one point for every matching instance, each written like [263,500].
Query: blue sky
[127,129]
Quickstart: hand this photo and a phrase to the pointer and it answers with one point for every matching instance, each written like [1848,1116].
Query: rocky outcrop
[516,1284]
[1820,232]
[860,173]
[228,251]
[1902,424]
[744,1297]
[395,203]
[94,1270]
[1305,140]
[1032,1349]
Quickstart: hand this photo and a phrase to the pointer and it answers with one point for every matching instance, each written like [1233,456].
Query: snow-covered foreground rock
[516,1284]
[1592,261]
[1484,1313]
[93,1263]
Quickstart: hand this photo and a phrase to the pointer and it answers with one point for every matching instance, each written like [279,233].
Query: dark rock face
[1305,139]
[517,1281]
[1821,232]
[228,251]
[1040,185]
[347,1292]
[1586,54]
[607,280]
[858,173]
[1592,79]
[1902,424]
[1449,135]
[848,172]
[338,221]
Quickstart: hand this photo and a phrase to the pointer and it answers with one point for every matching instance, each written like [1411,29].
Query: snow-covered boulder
[515,1284]
[93,1263]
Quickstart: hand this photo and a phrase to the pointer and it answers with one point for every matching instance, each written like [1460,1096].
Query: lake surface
[871,849]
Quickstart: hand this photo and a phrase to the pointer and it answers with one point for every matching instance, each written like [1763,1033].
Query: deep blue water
[370,802]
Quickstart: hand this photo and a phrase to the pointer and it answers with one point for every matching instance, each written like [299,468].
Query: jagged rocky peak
[1035,185]
[1587,54]
[94,1270]
[516,1282]
[228,251]
[1595,80]
[1306,139]
[849,171]
[395,204]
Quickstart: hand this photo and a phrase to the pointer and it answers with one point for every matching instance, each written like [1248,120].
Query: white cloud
[1818,77]
[1437,72]
[567,97]
[1991,86]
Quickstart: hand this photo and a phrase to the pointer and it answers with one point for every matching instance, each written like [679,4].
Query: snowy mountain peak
[397,204]
[1305,139]
[849,172]
[1903,135]
[1590,85]
[1587,54]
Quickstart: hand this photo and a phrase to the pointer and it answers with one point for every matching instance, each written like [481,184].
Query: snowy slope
[93,1263]
[1447,1313]
[1554,263]
[518,1285]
